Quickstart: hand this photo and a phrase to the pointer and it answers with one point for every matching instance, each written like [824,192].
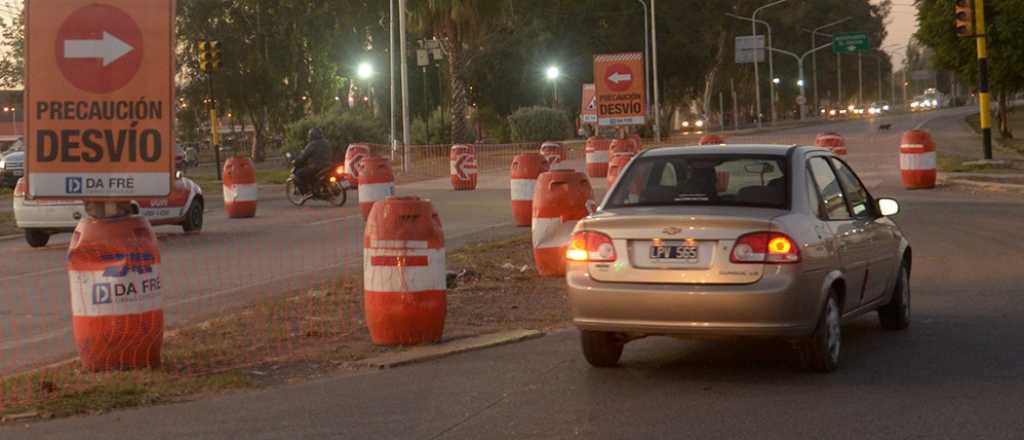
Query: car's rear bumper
[61,217]
[780,305]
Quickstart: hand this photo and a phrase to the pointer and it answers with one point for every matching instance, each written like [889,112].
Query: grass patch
[296,336]
[7,225]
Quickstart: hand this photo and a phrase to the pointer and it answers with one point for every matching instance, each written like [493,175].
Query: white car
[42,218]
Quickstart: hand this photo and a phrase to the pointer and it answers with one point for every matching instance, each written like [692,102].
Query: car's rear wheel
[821,350]
[194,217]
[896,314]
[601,349]
[37,238]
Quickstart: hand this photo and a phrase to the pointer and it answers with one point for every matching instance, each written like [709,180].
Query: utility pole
[860,79]
[983,95]
[735,105]
[406,154]
[647,56]
[391,74]
[654,49]
[839,79]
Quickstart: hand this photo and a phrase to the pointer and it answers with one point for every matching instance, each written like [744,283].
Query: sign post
[620,89]
[851,42]
[100,97]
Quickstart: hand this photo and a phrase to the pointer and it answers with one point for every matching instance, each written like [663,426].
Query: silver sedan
[741,240]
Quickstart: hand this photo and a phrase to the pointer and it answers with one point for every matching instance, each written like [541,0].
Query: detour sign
[619,79]
[99,99]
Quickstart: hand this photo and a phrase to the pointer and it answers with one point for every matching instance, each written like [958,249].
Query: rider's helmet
[315,133]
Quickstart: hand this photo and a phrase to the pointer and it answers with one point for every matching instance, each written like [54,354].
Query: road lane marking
[32,274]
[334,220]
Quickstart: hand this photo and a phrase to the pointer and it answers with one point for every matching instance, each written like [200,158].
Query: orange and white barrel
[615,167]
[833,141]
[354,154]
[116,291]
[376,182]
[711,139]
[638,143]
[240,190]
[620,147]
[404,280]
[917,160]
[597,156]
[561,199]
[554,152]
[462,164]
[526,168]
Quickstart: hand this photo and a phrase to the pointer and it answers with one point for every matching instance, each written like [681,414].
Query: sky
[902,24]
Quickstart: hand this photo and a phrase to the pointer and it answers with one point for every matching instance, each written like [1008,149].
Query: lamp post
[757,83]
[814,57]
[647,56]
[553,73]
[654,64]
[800,68]
[365,72]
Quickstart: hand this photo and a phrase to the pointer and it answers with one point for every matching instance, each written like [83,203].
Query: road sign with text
[851,42]
[749,49]
[619,84]
[99,95]
[588,105]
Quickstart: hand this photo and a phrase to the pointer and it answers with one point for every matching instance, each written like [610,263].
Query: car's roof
[742,149]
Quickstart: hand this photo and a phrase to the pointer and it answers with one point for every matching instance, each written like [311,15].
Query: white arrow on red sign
[465,165]
[109,49]
[620,77]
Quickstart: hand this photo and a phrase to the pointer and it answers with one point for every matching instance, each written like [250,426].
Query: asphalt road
[955,374]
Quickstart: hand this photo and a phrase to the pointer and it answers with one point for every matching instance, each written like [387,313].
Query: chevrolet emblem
[671,230]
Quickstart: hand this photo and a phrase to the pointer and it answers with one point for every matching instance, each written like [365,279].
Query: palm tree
[456,23]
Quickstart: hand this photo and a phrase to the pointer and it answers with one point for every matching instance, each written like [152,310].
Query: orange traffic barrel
[638,143]
[554,152]
[117,313]
[376,182]
[621,147]
[561,199]
[917,160]
[462,162]
[354,154]
[525,169]
[615,167]
[404,279]
[240,189]
[710,139]
[833,141]
[597,156]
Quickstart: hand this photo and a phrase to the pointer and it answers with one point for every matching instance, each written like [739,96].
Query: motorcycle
[331,185]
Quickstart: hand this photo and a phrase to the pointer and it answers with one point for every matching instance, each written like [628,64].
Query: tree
[1005,25]
[457,24]
[12,44]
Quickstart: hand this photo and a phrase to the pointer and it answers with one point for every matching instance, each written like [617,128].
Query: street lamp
[776,81]
[800,83]
[364,71]
[553,73]
[771,68]
[814,56]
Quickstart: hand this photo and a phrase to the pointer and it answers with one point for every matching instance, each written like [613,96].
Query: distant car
[693,123]
[745,240]
[40,219]
[12,166]
[878,107]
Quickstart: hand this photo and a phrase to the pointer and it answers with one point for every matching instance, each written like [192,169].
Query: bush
[537,124]
[341,127]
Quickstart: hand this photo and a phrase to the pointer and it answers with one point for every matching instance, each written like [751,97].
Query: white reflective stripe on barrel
[597,156]
[243,192]
[372,192]
[404,270]
[918,161]
[912,148]
[551,232]
[522,189]
[120,290]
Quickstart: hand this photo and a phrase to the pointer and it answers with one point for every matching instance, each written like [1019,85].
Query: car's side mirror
[888,207]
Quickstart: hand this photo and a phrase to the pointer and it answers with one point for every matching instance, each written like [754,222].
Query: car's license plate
[685,252]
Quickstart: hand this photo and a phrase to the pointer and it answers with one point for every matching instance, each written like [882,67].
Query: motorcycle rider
[314,158]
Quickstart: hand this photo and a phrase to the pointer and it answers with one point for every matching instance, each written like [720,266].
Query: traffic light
[964,18]
[209,56]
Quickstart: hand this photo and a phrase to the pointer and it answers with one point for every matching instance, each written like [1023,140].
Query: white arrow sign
[110,49]
[620,77]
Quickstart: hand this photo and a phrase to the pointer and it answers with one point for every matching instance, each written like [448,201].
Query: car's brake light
[765,247]
[339,170]
[589,246]
[19,188]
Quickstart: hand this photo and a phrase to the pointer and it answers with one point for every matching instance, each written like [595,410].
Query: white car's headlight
[832,112]
[700,123]
[885,108]
[3,164]
[915,104]
[686,123]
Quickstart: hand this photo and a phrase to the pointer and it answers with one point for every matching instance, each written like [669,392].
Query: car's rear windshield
[709,180]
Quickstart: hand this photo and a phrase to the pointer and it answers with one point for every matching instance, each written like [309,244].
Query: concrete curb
[985,186]
[11,237]
[431,352]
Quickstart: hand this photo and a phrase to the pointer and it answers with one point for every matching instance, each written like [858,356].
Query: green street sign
[851,42]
